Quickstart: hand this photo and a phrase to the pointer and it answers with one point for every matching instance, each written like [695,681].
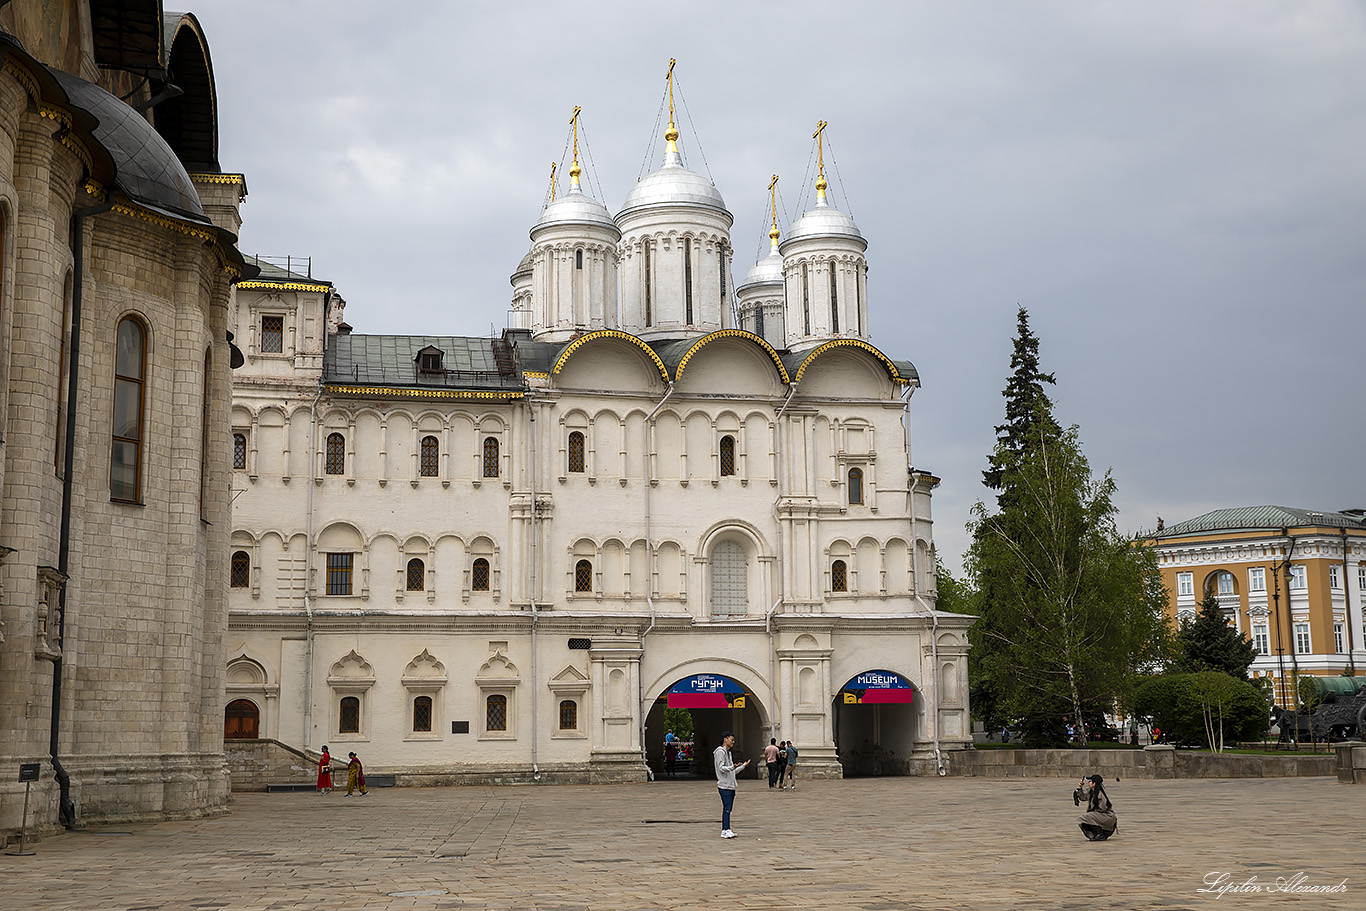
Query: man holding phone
[725,779]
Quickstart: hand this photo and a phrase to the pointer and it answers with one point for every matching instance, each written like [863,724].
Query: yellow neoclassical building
[1292,580]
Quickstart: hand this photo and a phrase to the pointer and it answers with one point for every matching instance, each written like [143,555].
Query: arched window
[759,321]
[490,457]
[348,718]
[1224,583]
[431,457]
[479,575]
[569,715]
[839,576]
[241,720]
[496,713]
[856,487]
[336,453]
[239,450]
[241,569]
[834,301]
[578,259]
[417,575]
[576,459]
[729,580]
[583,576]
[204,434]
[727,456]
[422,715]
[806,303]
[130,363]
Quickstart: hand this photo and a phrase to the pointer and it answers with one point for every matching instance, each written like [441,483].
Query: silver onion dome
[823,220]
[523,267]
[768,270]
[576,208]
[673,185]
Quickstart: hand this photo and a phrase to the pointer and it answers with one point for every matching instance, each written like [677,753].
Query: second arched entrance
[710,705]
[875,722]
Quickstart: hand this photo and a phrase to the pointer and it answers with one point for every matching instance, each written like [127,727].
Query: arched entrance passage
[875,720]
[714,703]
[241,720]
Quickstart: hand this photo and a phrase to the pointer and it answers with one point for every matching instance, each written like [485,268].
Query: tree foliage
[1208,707]
[1027,408]
[1209,643]
[1071,609]
[680,722]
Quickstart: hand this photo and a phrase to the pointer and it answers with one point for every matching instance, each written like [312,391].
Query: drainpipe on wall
[66,808]
[535,718]
[308,573]
[774,683]
[649,588]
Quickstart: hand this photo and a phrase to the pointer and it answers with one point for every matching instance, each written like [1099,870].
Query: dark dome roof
[146,168]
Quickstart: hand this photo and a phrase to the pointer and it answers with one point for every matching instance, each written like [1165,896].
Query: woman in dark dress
[1099,821]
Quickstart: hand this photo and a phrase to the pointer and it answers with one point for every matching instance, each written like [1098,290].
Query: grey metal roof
[272,271]
[391,360]
[1261,518]
[145,167]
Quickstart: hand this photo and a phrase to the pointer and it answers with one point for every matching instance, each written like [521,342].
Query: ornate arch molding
[616,334]
[886,362]
[734,333]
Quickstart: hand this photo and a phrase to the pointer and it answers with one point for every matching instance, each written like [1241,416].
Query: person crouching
[1099,821]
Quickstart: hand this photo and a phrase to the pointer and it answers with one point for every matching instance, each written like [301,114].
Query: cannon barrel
[1331,689]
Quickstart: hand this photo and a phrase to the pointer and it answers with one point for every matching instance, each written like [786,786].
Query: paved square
[871,844]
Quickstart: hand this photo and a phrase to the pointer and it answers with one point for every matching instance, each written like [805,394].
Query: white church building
[501,559]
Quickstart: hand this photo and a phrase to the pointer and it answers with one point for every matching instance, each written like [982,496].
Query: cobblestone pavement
[870,844]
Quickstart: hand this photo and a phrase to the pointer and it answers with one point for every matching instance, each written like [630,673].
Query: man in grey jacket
[725,779]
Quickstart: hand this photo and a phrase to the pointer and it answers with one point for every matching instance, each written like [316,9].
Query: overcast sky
[1176,191]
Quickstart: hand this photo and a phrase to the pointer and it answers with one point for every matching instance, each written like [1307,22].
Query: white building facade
[495,559]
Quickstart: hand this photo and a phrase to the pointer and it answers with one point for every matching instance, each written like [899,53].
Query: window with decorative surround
[1302,642]
[336,453]
[727,456]
[839,576]
[130,363]
[339,573]
[496,713]
[348,715]
[856,487]
[490,457]
[431,457]
[1298,581]
[1256,579]
[569,715]
[479,575]
[1260,640]
[239,450]
[1185,584]
[241,569]
[576,452]
[422,715]
[583,576]
[417,575]
[272,334]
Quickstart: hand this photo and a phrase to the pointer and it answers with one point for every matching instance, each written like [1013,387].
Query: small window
[339,573]
[583,576]
[759,321]
[241,569]
[239,450]
[1224,582]
[479,575]
[569,715]
[348,718]
[422,715]
[1260,641]
[241,720]
[856,487]
[496,713]
[839,576]
[431,457]
[576,460]
[336,453]
[1256,579]
[429,360]
[490,457]
[125,465]
[834,300]
[578,259]
[1335,577]
[1185,583]
[1297,578]
[1337,639]
[417,575]
[1302,643]
[727,456]
[272,335]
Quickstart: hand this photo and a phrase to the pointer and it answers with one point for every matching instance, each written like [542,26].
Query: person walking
[782,763]
[325,772]
[355,776]
[771,761]
[791,766]
[725,779]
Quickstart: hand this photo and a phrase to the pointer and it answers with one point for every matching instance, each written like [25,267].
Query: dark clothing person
[1099,821]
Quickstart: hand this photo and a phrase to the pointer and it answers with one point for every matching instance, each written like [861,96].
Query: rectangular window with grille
[239,450]
[272,334]
[348,718]
[497,713]
[339,573]
[422,714]
[569,715]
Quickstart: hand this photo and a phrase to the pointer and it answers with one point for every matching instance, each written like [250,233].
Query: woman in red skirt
[325,772]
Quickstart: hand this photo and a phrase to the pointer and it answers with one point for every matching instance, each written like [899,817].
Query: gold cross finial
[671,134]
[552,181]
[820,152]
[575,170]
[773,207]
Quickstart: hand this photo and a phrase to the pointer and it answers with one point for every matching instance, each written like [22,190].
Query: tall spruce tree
[1027,405]
[1208,643]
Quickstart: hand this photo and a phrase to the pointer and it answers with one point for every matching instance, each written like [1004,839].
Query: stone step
[339,784]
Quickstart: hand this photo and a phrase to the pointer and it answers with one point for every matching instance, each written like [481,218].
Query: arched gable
[850,346]
[735,339]
[189,121]
[643,355]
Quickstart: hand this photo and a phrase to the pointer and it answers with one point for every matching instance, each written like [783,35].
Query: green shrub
[1210,708]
